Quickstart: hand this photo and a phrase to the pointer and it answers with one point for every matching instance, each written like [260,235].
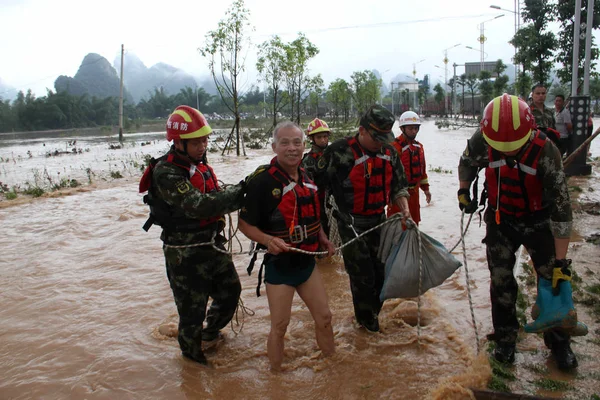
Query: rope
[240,316]
[420,283]
[462,234]
[462,239]
[314,253]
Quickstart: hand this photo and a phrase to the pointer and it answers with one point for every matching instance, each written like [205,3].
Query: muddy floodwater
[87,313]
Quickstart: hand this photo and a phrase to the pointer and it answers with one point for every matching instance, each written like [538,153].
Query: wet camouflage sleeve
[556,192]
[310,165]
[399,182]
[474,157]
[176,190]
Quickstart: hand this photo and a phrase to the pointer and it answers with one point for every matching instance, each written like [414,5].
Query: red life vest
[367,188]
[201,176]
[520,188]
[296,218]
[413,159]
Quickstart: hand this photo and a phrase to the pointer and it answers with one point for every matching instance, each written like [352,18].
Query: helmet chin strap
[185,153]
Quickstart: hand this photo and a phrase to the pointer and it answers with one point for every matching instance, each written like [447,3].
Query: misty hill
[7,92]
[141,80]
[95,77]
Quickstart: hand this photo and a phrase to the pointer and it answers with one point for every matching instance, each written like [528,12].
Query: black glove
[465,202]
[560,272]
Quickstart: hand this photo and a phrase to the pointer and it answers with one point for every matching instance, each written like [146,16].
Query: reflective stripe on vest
[367,187]
[520,188]
[296,218]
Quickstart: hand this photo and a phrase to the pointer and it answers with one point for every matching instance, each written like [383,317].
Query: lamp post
[485,55]
[482,37]
[392,89]
[414,72]
[517,14]
[446,75]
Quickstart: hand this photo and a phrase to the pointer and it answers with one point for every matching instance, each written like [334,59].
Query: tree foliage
[224,48]
[365,89]
[271,65]
[339,95]
[535,42]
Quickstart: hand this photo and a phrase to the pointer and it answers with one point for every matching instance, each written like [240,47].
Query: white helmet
[409,118]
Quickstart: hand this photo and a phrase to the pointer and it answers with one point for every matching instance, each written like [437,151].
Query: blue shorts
[292,269]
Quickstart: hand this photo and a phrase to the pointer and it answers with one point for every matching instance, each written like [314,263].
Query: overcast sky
[42,39]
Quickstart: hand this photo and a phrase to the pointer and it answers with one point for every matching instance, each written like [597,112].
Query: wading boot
[564,356]
[505,352]
[372,325]
[200,359]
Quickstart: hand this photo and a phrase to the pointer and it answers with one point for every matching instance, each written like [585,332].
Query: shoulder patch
[276,193]
[321,163]
[256,172]
[183,187]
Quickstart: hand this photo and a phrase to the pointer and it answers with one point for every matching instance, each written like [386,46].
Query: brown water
[84,293]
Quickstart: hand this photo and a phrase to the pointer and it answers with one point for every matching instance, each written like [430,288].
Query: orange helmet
[507,123]
[317,126]
[187,123]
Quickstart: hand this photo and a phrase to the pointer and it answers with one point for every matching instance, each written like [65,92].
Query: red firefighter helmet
[187,123]
[507,123]
[317,126]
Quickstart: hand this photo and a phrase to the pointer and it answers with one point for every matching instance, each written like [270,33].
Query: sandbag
[402,264]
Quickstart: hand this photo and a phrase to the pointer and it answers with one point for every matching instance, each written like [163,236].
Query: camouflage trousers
[502,242]
[365,271]
[195,274]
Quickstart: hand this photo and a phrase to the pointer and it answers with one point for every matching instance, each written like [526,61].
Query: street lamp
[517,13]
[482,37]
[479,51]
[414,71]
[446,75]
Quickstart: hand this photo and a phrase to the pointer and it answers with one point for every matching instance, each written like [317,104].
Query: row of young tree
[289,89]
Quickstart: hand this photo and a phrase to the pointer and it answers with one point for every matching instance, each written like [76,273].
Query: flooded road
[84,293]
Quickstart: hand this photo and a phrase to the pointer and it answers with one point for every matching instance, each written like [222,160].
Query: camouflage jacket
[309,161]
[543,119]
[549,171]
[171,184]
[337,162]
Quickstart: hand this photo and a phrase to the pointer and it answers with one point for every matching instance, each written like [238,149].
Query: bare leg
[313,293]
[280,307]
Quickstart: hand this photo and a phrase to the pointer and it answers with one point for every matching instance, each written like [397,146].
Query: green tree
[501,80]
[224,49]
[486,87]
[440,94]
[472,85]
[565,14]
[365,89]
[317,88]
[535,42]
[298,53]
[271,65]
[339,96]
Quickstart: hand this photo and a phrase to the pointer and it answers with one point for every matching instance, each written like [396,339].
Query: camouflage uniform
[365,270]
[544,119]
[309,163]
[535,232]
[197,273]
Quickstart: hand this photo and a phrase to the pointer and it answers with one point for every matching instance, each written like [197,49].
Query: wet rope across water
[462,239]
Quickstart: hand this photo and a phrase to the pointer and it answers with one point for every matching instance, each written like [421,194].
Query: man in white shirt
[563,123]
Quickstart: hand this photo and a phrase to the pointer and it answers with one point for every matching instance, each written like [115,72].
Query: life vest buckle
[298,234]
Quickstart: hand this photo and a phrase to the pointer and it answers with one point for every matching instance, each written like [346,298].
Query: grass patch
[10,195]
[576,189]
[116,174]
[498,385]
[440,170]
[552,385]
[34,191]
[538,369]
[594,289]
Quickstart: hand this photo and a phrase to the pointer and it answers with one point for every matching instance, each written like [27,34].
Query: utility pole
[121,98]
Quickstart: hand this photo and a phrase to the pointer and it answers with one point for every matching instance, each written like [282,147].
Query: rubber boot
[505,352]
[580,329]
[560,345]
[556,311]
